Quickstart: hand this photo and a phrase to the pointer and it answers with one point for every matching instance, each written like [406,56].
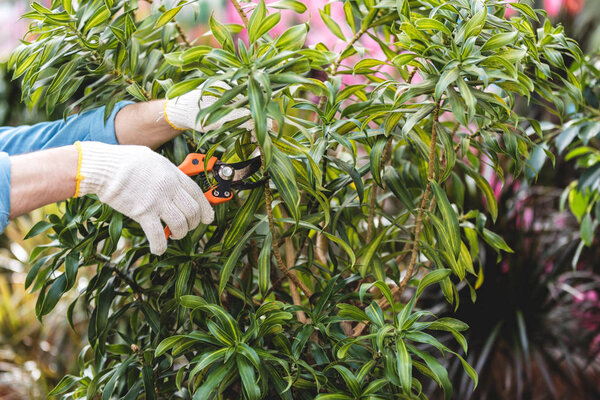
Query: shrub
[306,288]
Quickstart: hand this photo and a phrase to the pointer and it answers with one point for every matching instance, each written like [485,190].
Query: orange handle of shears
[194,165]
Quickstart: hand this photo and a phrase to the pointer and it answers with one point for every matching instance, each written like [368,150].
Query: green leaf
[349,13]
[475,24]
[292,39]
[64,384]
[344,245]
[136,91]
[333,396]
[437,369]
[485,187]
[183,87]
[495,241]
[283,175]
[100,16]
[433,25]
[370,250]
[258,107]
[148,380]
[213,380]
[233,259]
[256,20]
[587,230]
[38,228]
[64,73]
[243,218]
[423,111]
[71,267]
[404,364]
[376,156]
[192,302]
[350,380]
[398,187]
[449,217]
[248,375]
[116,376]
[115,228]
[57,289]
[295,5]
[167,16]
[500,40]
[467,95]
[264,264]
[352,312]
[268,24]
[332,25]
[221,33]
[431,278]
[166,345]
[525,9]
[447,77]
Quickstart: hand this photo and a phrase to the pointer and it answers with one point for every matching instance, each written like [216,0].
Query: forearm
[41,178]
[144,124]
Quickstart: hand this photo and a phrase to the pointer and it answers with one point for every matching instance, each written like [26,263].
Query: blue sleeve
[88,126]
[4,190]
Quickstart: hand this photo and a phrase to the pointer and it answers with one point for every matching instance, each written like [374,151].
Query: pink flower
[574,6]
[553,7]
[510,12]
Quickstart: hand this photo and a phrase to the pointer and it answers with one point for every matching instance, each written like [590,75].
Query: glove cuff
[97,165]
[181,111]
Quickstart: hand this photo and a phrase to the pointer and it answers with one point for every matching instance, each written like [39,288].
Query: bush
[306,288]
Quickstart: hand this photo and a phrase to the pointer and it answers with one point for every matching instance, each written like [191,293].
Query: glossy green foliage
[360,208]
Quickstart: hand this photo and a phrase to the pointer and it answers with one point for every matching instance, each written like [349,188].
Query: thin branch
[290,273]
[182,35]
[414,247]
[424,201]
[371,221]
[240,11]
[290,261]
[179,29]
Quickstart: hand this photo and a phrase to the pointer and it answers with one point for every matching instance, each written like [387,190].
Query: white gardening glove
[144,186]
[180,112]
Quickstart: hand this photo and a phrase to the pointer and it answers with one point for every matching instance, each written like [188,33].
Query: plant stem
[398,290]
[289,273]
[178,27]
[290,261]
[371,225]
[241,12]
[424,201]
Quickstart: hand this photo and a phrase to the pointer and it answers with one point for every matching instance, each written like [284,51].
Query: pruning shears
[227,176]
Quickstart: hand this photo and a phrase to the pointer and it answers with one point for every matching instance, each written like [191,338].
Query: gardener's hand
[181,111]
[144,186]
